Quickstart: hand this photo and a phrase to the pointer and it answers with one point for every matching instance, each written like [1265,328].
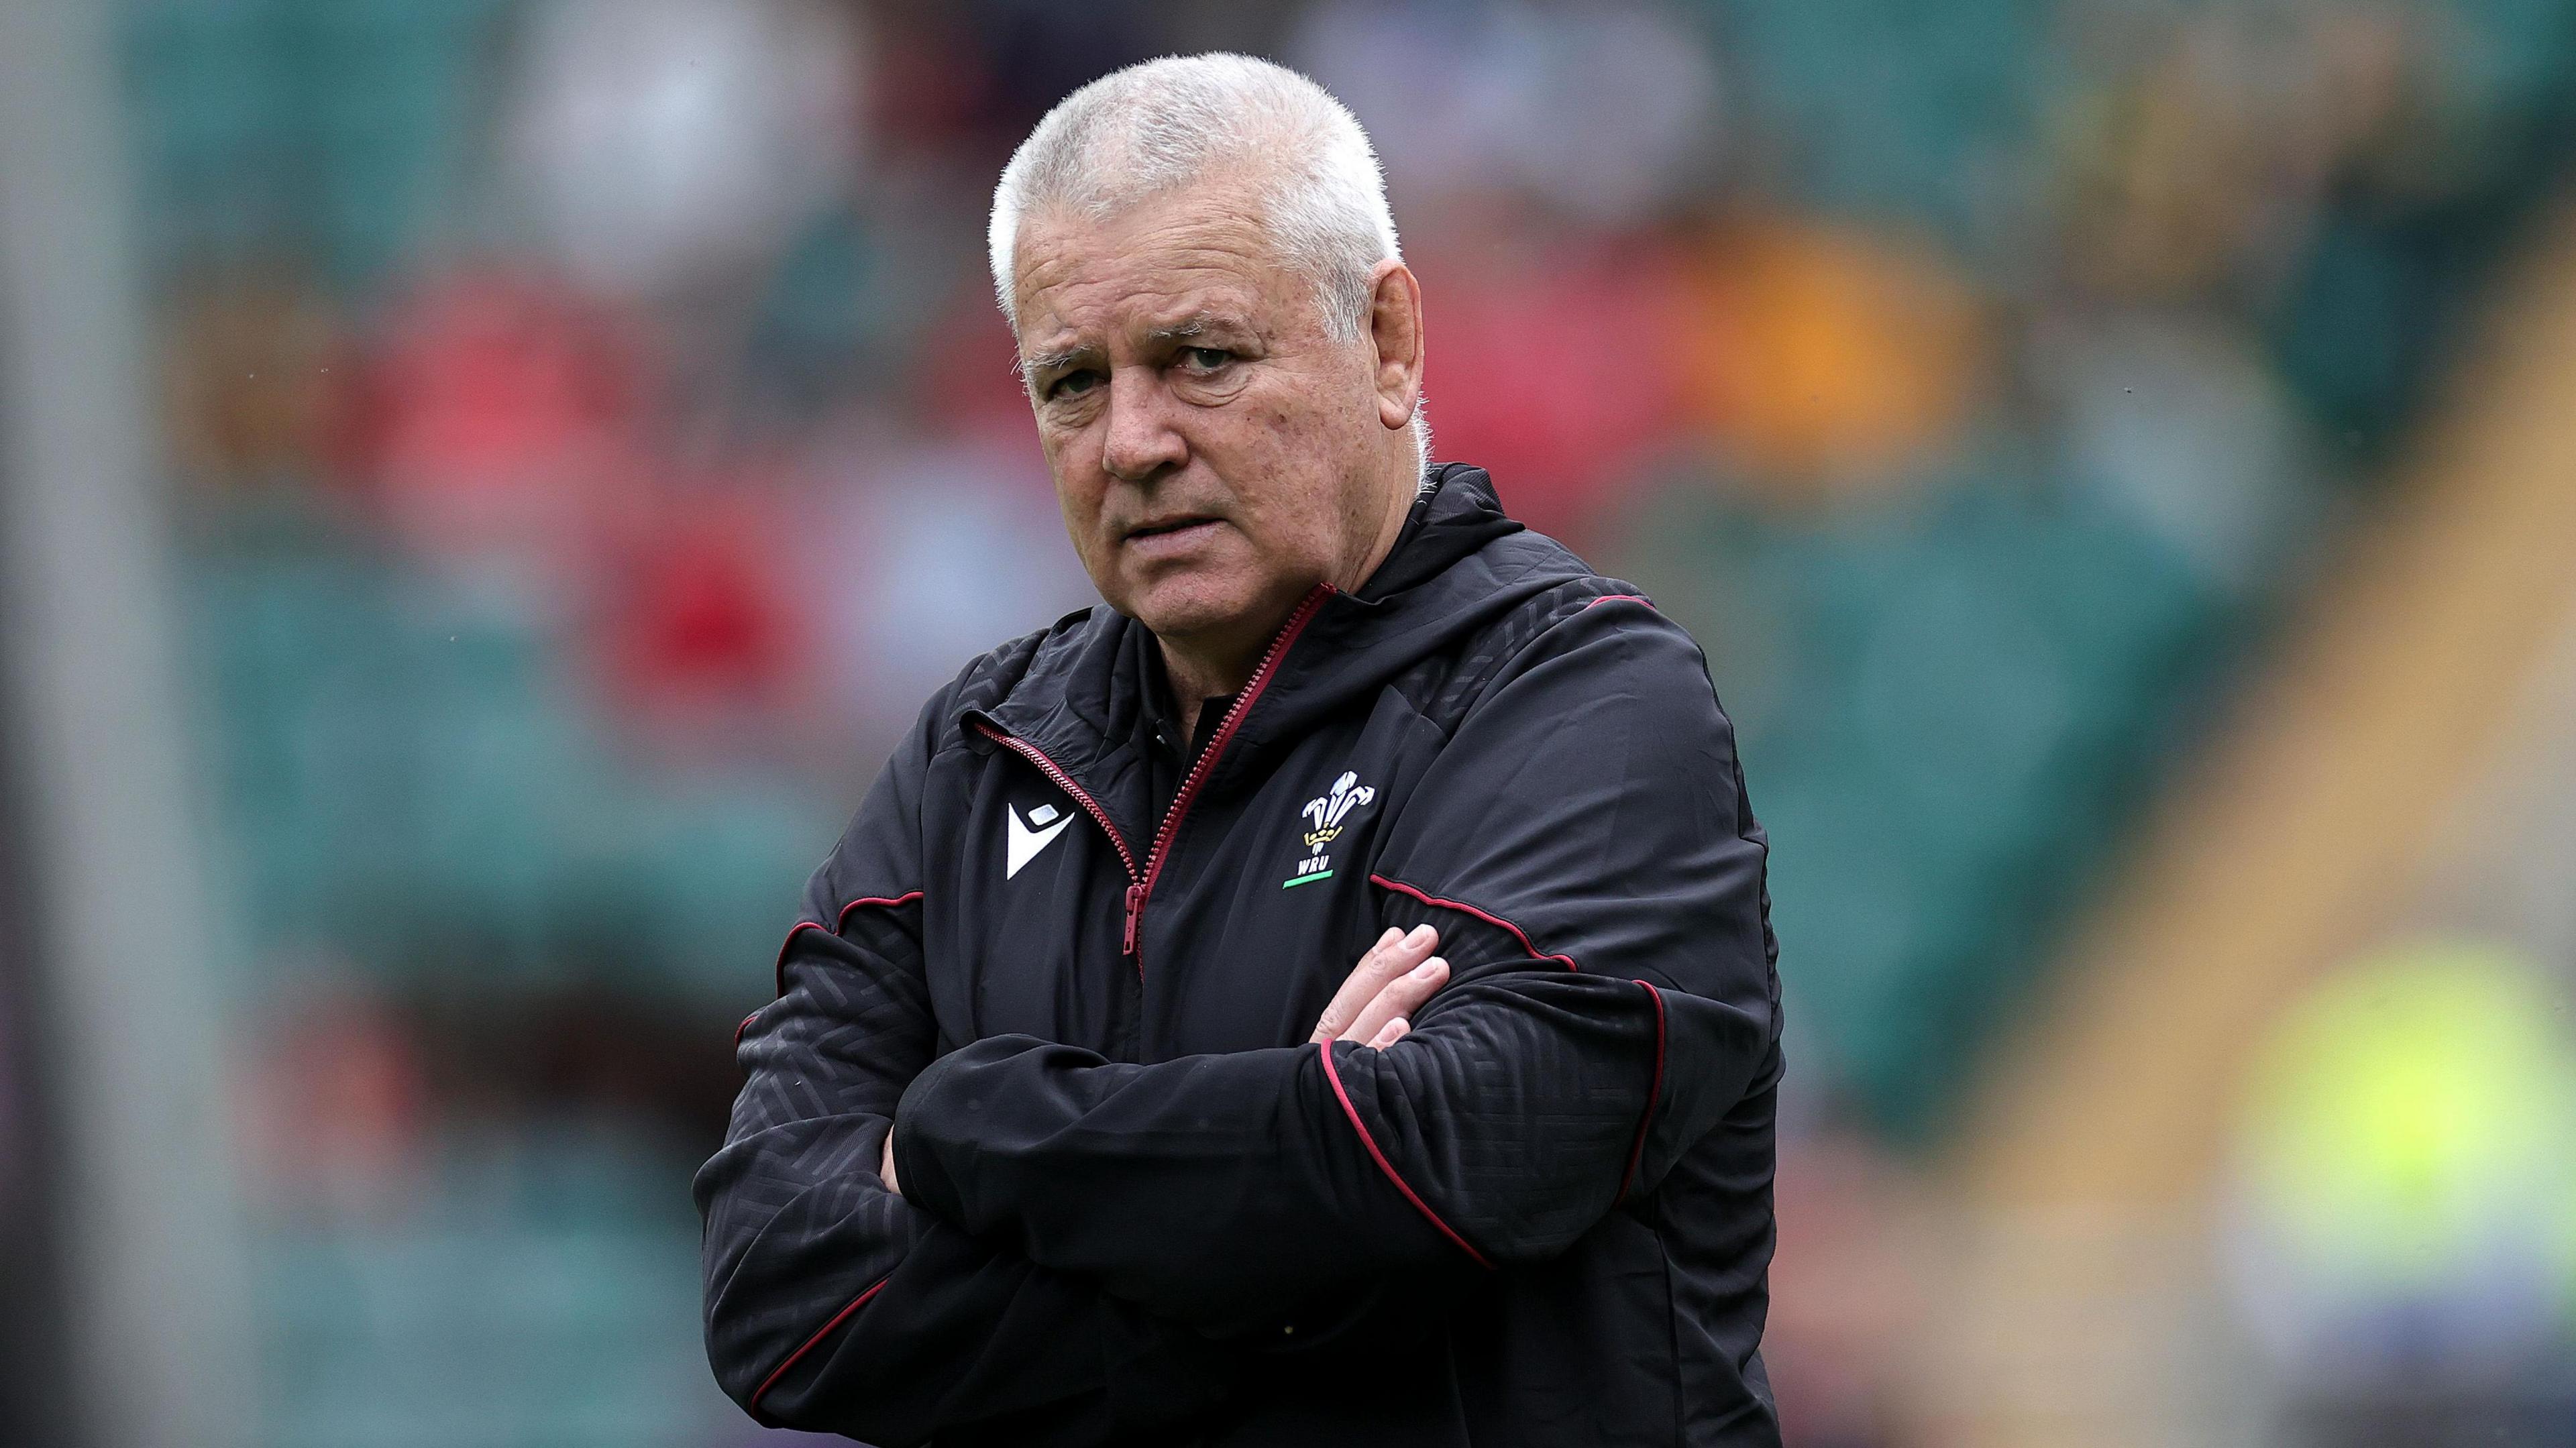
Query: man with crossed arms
[1071,1122]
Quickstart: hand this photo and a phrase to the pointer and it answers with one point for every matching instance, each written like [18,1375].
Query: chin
[1194,603]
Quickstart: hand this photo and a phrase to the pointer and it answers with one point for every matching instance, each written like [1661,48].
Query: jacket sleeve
[834,1304]
[1584,845]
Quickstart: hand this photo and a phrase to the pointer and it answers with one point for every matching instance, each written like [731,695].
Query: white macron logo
[1025,841]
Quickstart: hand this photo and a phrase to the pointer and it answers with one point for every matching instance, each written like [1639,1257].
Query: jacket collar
[1459,562]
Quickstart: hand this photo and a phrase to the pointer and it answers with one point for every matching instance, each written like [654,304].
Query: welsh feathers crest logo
[1329,810]
[1326,813]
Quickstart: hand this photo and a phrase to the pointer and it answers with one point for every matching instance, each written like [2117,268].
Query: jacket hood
[1460,563]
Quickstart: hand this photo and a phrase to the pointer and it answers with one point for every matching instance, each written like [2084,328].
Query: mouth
[1167,527]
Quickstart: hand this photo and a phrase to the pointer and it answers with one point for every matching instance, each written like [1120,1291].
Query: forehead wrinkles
[1131,274]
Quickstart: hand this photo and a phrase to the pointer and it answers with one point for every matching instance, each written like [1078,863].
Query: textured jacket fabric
[1138,1207]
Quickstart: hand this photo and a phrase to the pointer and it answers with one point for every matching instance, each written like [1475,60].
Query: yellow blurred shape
[246,374]
[2413,1111]
[1823,359]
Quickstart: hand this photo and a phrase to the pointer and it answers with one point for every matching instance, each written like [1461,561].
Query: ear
[1395,328]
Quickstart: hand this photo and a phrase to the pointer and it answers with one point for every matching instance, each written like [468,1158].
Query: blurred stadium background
[482,482]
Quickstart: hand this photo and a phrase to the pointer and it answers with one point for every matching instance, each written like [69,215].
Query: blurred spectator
[496,419]
[2408,1176]
[1847,1302]
[662,144]
[255,375]
[1823,361]
[1604,111]
[926,549]
[697,615]
[1580,413]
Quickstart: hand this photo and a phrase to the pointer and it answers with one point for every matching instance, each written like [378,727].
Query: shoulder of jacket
[990,677]
[1446,686]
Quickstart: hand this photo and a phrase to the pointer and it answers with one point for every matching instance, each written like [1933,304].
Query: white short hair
[1165,123]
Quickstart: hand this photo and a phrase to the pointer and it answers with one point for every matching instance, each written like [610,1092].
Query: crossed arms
[1081,1249]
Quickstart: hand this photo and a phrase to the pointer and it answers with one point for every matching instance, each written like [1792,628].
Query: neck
[1196,680]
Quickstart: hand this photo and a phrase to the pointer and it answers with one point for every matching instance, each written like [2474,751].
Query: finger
[1357,988]
[1385,961]
[1403,996]
[1392,1032]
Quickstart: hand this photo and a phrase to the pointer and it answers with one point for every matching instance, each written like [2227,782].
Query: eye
[1073,384]
[1205,359]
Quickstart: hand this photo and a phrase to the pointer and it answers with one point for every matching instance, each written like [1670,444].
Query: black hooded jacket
[1138,1208]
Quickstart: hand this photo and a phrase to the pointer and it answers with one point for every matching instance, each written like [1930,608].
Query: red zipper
[1198,774]
[1140,883]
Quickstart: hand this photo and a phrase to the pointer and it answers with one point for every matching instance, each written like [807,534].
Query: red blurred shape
[495,406]
[696,610]
[972,384]
[1548,370]
[337,1106]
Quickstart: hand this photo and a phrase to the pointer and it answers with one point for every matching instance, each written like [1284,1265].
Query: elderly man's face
[1216,451]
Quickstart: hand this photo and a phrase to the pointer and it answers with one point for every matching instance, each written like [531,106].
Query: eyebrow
[1040,363]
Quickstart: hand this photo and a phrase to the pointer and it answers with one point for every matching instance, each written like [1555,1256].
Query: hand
[885,1172]
[1389,984]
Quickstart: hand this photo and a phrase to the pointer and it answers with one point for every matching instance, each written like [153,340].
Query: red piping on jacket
[1487,916]
[1140,882]
[1654,1093]
[1623,598]
[821,1333]
[1335,1076]
[838,921]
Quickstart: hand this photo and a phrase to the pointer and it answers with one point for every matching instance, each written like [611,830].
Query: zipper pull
[1135,914]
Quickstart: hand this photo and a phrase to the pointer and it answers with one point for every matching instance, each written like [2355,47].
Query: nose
[1142,443]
